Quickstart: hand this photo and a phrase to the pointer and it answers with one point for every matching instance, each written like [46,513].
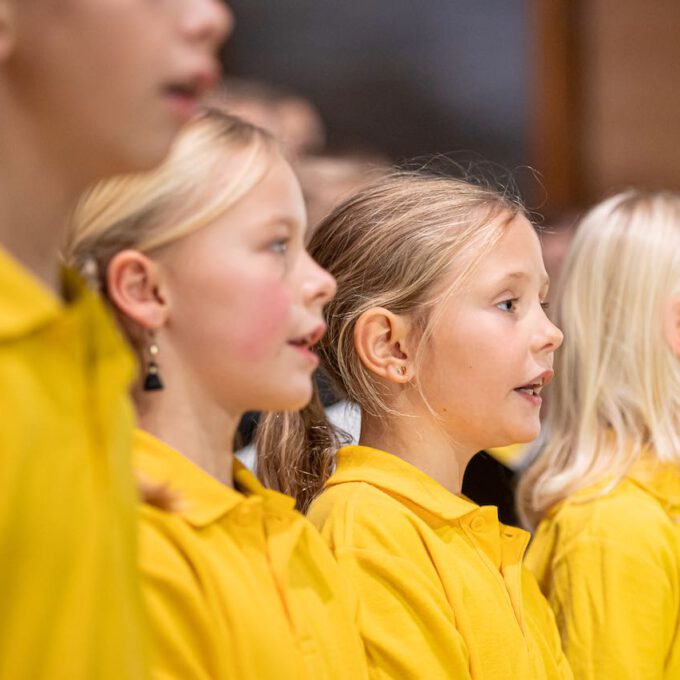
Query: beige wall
[630,94]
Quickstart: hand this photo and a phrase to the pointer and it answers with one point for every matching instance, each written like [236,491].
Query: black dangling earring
[152,381]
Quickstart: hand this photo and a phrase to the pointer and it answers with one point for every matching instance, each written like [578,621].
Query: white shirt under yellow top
[443,593]
[238,584]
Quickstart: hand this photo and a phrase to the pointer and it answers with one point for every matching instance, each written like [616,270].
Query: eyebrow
[545,279]
[290,224]
[284,220]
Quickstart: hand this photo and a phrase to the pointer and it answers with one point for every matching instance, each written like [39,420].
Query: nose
[208,22]
[552,336]
[319,286]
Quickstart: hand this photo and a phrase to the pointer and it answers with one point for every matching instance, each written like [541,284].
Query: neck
[36,195]
[423,443]
[181,417]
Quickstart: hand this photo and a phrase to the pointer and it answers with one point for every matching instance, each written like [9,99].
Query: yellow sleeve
[181,635]
[616,610]
[406,623]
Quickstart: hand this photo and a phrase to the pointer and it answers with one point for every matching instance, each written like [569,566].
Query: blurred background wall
[404,77]
[585,91]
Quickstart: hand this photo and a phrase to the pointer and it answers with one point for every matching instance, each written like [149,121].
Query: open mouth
[535,387]
[188,92]
[308,341]
[305,343]
[533,390]
[184,99]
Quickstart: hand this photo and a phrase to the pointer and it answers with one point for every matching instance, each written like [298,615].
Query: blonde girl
[438,333]
[604,489]
[88,89]
[204,263]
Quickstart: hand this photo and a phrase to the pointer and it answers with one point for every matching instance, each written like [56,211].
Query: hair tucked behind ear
[391,246]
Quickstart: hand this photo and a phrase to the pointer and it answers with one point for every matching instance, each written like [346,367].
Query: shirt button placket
[244,516]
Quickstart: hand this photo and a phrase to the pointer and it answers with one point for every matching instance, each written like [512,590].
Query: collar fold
[398,478]
[202,499]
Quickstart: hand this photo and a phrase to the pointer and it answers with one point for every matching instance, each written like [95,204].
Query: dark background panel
[407,78]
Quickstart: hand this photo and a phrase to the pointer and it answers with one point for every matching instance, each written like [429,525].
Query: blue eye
[508,305]
[280,246]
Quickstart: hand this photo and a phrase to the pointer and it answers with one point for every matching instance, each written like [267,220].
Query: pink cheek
[264,327]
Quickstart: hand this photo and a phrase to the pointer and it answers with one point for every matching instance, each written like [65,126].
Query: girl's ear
[381,339]
[134,284]
[672,326]
[6,28]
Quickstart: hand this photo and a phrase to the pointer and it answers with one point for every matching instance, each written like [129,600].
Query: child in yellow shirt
[205,265]
[438,333]
[85,92]
[604,488]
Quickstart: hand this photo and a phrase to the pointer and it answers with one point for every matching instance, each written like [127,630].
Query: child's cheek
[265,324]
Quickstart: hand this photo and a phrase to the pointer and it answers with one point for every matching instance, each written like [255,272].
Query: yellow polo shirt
[237,583]
[610,568]
[442,590]
[69,601]
[511,456]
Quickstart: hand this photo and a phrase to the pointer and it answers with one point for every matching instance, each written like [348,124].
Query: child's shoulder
[626,516]
[598,504]
[361,515]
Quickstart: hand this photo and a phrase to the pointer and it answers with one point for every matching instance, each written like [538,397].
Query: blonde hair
[151,210]
[391,245]
[617,386]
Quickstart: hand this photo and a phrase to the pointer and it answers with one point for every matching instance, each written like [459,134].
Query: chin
[142,155]
[291,401]
[301,401]
[152,155]
[527,434]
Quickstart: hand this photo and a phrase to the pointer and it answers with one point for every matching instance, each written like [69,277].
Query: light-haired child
[88,88]
[604,489]
[204,262]
[438,333]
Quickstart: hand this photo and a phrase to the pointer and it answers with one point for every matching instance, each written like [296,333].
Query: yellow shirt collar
[661,480]
[511,456]
[201,498]
[398,478]
[26,304]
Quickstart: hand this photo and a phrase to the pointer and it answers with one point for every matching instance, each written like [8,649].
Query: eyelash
[511,301]
[545,306]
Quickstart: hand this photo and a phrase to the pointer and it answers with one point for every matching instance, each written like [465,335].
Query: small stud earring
[152,381]
[402,370]
[90,272]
